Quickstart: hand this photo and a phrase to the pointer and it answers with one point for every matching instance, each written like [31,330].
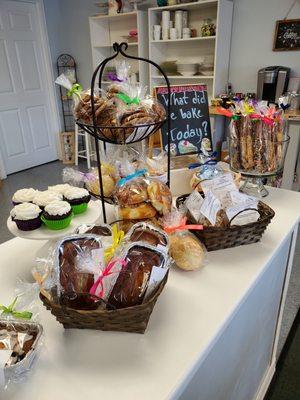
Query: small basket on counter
[218,238]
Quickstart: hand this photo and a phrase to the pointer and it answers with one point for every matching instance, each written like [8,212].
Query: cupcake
[61,188]
[46,197]
[57,215]
[26,216]
[78,198]
[24,196]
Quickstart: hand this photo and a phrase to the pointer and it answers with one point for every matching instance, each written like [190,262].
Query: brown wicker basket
[217,238]
[131,319]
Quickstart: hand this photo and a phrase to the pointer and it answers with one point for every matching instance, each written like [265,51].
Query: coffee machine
[272,82]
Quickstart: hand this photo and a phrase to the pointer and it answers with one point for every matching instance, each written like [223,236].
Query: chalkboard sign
[287,35]
[190,124]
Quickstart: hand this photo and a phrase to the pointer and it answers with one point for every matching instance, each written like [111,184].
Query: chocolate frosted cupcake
[78,198]
[57,215]
[24,196]
[26,216]
[46,197]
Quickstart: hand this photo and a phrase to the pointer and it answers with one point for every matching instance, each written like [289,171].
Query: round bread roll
[160,196]
[141,211]
[108,185]
[186,251]
[132,193]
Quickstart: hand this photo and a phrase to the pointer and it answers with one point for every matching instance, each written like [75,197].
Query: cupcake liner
[56,224]
[28,225]
[79,208]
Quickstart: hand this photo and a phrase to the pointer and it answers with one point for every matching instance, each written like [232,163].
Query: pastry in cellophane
[149,233]
[141,198]
[185,248]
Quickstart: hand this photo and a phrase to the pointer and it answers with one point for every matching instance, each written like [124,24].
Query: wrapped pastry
[136,212]
[78,259]
[145,232]
[126,224]
[22,340]
[132,277]
[160,196]
[186,250]
[119,79]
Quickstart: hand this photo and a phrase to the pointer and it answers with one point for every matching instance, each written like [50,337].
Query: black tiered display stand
[119,134]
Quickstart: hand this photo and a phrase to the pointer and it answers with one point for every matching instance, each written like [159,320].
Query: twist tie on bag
[114,78]
[255,116]
[75,90]
[106,272]
[248,108]
[10,310]
[140,172]
[117,238]
[236,117]
[224,111]
[183,227]
[128,100]
[268,120]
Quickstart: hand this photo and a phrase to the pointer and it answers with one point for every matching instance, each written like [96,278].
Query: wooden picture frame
[287,35]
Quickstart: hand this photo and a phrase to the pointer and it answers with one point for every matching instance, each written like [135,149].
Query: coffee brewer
[272,82]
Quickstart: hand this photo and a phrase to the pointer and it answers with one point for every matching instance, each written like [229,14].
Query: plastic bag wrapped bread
[77,259]
[141,198]
[186,250]
[132,277]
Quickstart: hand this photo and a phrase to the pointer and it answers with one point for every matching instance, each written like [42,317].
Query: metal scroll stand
[119,134]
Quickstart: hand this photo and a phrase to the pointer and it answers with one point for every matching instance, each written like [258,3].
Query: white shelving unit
[108,29]
[194,48]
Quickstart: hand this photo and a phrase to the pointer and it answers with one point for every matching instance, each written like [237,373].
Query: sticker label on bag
[193,203]
[210,207]
[221,187]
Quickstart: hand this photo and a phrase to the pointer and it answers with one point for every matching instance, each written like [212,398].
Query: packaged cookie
[118,79]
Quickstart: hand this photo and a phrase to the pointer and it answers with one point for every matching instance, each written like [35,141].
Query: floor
[286,382]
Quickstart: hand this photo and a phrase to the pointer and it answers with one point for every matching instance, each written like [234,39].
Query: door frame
[49,79]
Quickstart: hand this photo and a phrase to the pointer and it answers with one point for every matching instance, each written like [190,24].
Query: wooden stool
[86,153]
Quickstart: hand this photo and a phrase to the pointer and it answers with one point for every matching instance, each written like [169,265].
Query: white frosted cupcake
[46,197]
[26,216]
[61,188]
[57,215]
[25,195]
[78,198]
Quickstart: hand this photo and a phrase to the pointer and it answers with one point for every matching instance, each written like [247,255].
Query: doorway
[28,114]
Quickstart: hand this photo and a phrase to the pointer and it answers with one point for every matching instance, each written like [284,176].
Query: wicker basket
[217,238]
[131,319]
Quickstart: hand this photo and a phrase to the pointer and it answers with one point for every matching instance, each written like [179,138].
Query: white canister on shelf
[178,23]
[173,33]
[156,32]
[165,24]
[185,19]
[186,33]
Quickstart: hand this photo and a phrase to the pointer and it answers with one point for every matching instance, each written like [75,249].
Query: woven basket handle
[240,212]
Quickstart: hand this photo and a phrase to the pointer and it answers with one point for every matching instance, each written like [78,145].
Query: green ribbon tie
[128,100]
[10,310]
[76,89]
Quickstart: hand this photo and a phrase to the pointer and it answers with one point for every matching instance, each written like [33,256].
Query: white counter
[216,325]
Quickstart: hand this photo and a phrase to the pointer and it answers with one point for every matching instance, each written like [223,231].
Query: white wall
[251,49]
[252,41]
[68,30]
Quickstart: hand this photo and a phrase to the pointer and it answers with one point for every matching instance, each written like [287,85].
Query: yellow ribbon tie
[117,237]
